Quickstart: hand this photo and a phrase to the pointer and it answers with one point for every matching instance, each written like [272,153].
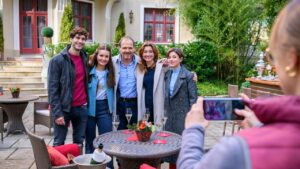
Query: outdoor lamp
[130,16]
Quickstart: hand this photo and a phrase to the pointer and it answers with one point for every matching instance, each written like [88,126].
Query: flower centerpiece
[143,130]
[15,91]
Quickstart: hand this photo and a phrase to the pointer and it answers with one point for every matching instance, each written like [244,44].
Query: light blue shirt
[174,78]
[127,81]
[102,84]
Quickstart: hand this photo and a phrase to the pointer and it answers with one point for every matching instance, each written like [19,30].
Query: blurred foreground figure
[272,141]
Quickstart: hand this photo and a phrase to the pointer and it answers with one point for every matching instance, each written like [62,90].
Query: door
[33,17]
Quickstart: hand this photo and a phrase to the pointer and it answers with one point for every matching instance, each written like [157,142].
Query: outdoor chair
[3,119]
[233,91]
[42,115]
[41,156]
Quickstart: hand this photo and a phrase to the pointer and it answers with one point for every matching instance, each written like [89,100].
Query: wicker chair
[3,119]
[42,115]
[41,155]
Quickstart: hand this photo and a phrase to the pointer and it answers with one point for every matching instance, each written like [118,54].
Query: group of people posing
[90,90]
[89,95]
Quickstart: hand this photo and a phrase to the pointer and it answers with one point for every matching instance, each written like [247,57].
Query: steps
[25,74]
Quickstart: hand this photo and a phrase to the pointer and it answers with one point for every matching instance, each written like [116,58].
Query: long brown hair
[109,66]
[143,65]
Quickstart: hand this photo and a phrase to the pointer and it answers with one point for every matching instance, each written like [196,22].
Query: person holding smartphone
[272,141]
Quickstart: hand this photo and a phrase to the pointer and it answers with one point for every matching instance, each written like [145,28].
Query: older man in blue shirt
[125,65]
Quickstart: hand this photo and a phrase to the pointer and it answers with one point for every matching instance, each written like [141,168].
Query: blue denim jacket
[92,94]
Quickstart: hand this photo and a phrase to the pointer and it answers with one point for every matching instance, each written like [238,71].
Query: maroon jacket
[276,145]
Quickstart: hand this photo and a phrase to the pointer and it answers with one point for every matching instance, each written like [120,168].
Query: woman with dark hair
[180,94]
[101,95]
[273,139]
[150,83]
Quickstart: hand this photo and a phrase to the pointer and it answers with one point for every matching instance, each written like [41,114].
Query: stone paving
[16,152]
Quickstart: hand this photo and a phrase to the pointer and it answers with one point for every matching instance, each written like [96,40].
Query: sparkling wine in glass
[128,114]
[164,120]
[147,114]
[116,122]
[158,124]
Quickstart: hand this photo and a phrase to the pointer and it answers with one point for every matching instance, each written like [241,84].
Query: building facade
[152,20]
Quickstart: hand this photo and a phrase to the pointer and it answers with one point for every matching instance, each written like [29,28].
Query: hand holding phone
[222,108]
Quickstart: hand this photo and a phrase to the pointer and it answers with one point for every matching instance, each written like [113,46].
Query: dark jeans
[103,120]
[121,110]
[78,117]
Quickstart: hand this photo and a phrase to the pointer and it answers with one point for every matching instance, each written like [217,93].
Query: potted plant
[47,33]
[15,92]
[143,130]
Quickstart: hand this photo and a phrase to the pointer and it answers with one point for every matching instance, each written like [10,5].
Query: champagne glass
[128,114]
[147,114]
[115,122]
[158,124]
[164,120]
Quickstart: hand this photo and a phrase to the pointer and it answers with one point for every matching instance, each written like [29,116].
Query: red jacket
[276,145]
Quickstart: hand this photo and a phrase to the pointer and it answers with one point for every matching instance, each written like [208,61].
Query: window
[158,25]
[83,15]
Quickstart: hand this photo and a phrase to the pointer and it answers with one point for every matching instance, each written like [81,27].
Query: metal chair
[3,119]
[42,115]
[41,156]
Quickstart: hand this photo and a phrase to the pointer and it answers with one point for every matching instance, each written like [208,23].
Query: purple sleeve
[230,152]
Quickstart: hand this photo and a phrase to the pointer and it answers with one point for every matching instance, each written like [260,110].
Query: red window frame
[33,13]
[80,17]
[164,22]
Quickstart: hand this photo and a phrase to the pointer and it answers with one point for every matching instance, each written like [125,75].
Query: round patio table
[131,154]
[14,108]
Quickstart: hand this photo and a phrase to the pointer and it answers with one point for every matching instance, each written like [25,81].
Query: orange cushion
[68,148]
[56,158]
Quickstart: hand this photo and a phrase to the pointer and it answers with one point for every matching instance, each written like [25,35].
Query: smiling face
[127,50]
[77,42]
[174,60]
[148,55]
[103,58]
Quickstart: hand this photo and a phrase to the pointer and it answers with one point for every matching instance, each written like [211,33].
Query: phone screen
[222,108]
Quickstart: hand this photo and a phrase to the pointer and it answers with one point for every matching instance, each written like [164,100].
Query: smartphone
[222,108]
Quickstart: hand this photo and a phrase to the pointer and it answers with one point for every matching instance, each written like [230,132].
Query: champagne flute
[128,114]
[115,122]
[164,120]
[158,124]
[147,114]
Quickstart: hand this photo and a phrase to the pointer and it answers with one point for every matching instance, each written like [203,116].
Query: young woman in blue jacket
[101,95]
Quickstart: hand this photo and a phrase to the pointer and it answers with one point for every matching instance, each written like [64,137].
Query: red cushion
[68,148]
[146,166]
[56,158]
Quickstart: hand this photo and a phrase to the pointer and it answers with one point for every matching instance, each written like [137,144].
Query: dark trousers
[102,119]
[121,110]
[78,116]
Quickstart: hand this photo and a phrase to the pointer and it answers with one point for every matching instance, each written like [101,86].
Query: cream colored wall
[99,24]
[134,30]
[8,30]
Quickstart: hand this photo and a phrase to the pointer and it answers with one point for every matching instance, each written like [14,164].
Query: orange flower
[142,126]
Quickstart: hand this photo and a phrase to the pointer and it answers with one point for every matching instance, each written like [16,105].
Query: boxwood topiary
[47,32]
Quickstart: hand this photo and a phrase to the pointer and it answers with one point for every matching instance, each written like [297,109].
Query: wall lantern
[130,16]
